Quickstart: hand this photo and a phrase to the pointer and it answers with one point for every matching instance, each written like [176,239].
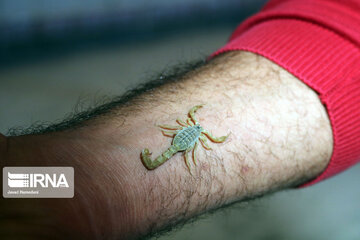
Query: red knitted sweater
[318,41]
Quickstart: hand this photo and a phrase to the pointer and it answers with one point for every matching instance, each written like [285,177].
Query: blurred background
[56,55]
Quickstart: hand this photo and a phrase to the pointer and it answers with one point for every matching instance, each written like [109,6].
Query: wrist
[100,192]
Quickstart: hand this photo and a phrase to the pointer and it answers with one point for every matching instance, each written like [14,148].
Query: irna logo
[38,182]
[34,180]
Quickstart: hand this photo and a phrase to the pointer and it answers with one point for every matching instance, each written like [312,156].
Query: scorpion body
[186,138]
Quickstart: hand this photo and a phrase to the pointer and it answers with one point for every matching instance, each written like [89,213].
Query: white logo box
[38,182]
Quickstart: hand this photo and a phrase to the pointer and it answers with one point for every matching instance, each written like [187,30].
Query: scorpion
[186,137]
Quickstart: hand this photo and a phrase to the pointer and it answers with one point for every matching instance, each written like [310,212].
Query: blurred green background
[55,55]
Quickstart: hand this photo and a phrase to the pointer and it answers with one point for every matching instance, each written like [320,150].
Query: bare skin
[280,137]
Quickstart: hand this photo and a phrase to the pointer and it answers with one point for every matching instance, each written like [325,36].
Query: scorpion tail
[150,164]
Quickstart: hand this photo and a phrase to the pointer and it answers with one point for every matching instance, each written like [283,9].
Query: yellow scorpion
[186,138]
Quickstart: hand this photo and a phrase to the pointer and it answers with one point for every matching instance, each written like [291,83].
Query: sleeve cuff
[326,62]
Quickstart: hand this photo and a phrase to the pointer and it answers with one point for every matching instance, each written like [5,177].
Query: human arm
[280,137]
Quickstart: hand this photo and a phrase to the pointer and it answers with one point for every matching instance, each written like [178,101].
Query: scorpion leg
[169,127]
[194,153]
[190,122]
[192,113]
[187,158]
[203,141]
[181,122]
[213,138]
[168,133]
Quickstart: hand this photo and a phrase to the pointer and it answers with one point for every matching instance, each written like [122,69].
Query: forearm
[280,136]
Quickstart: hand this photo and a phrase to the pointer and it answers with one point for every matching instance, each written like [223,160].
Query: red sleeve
[318,41]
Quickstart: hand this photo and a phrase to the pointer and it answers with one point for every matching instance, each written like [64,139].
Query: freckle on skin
[244,169]
[205,166]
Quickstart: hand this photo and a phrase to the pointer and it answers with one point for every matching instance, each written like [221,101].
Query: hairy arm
[280,137]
